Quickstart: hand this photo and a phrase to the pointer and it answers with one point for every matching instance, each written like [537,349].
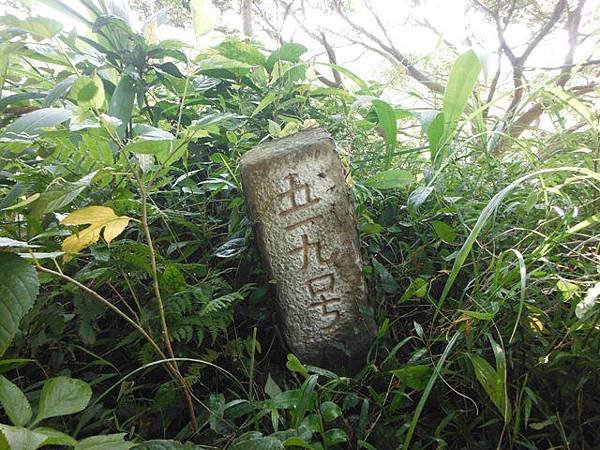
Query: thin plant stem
[161,309]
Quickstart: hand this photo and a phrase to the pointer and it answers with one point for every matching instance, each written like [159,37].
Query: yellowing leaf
[114,228]
[149,30]
[81,240]
[536,324]
[98,218]
[89,215]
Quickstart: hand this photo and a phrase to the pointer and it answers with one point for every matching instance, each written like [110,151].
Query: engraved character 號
[317,287]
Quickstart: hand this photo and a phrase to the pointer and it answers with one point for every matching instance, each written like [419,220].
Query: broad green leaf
[387,121]
[59,90]
[274,129]
[62,396]
[15,404]
[415,377]
[121,102]
[60,195]
[257,443]
[351,75]
[105,442]
[388,282]
[335,436]
[419,196]
[148,147]
[98,218]
[89,91]
[490,380]
[55,437]
[477,314]
[17,98]
[501,376]
[290,128]
[203,16]
[418,288]
[444,231]
[390,179]
[31,124]
[584,224]
[148,133]
[306,398]
[19,287]
[522,285]
[271,388]
[21,204]
[459,88]
[435,133]
[20,438]
[41,255]
[571,100]
[38,27]
[266,101]
[330,411]
[289,51]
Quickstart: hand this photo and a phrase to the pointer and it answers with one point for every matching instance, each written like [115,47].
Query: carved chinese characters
[297,198]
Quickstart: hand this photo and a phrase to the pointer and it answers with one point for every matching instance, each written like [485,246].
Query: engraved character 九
[318,287]
[305,250]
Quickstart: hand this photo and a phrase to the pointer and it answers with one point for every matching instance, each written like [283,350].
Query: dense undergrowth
[121,199]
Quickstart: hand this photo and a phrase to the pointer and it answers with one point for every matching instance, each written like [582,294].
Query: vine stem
[161,309]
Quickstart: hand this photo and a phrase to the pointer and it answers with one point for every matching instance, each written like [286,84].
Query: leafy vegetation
[135,313]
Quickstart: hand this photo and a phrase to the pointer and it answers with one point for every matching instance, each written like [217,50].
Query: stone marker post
[297,197]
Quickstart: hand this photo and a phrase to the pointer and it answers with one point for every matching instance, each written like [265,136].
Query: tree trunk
[247,18]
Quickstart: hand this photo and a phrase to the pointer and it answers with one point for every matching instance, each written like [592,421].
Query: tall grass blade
[427,391]
[486,214]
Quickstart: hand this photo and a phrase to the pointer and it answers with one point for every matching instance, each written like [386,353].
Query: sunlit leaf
[98,218]
[390,179]
[55,437]
[492,381]
[19,438]
[459,88]
[444,231]
[38,27]
[31,124]
[89,91]
[105,442]
[330,411]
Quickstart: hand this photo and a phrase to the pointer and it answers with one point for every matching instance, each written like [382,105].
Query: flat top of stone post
[314,137]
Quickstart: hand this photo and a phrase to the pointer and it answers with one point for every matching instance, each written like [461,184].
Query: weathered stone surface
[297,197]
